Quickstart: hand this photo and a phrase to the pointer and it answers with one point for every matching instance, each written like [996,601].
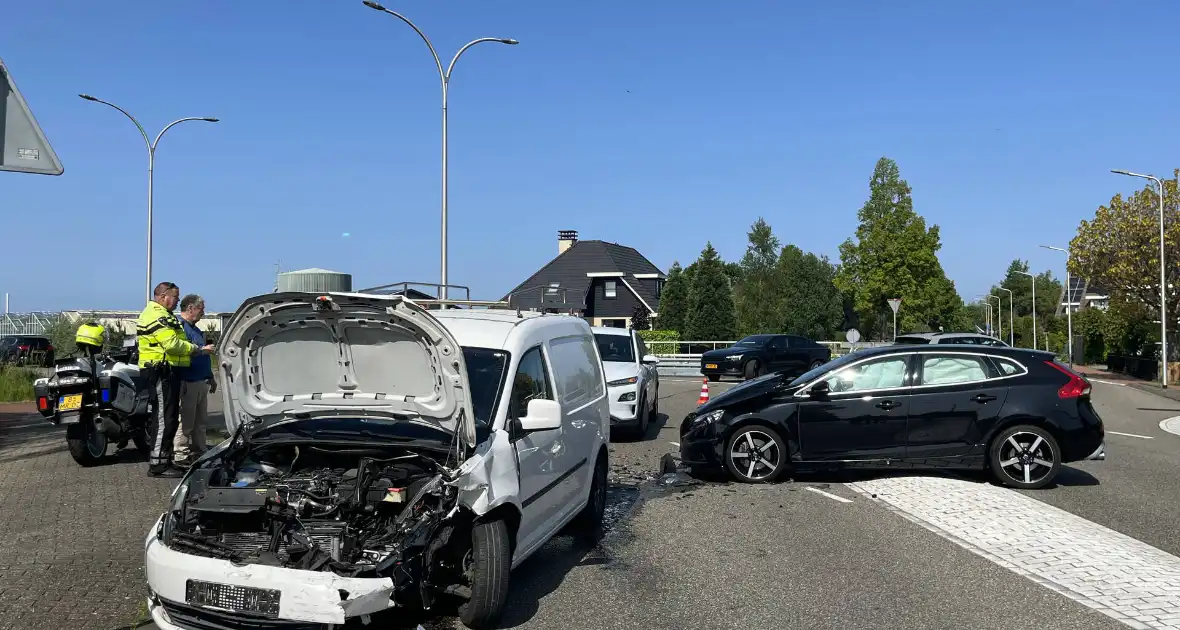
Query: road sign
[853,335]
[23,146]
[895,303]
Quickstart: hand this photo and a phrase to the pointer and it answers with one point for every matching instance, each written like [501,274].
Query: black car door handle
[982,398]
[888,404]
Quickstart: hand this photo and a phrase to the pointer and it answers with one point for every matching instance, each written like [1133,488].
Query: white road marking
[830,495]
[1171,425]
[676,444]
[1098,380]
[1145,437]
[1121,577]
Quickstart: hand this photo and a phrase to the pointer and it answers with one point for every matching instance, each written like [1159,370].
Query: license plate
[70,403]
[710,366]
[242,599]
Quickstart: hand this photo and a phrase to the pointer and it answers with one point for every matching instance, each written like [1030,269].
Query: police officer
[162,347]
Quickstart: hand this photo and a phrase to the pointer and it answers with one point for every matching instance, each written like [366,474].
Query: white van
[382,456]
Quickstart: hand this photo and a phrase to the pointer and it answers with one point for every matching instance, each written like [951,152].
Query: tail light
[49,349]
[42,403]
[1076,387]
[23,348]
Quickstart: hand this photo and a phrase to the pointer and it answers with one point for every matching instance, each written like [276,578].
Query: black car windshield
[615,348]
[485,371]
[752,341]
[830,366]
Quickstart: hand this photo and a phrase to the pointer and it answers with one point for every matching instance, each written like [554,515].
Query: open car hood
[286,356]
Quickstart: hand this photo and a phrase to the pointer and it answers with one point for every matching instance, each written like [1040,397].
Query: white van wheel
[487,566]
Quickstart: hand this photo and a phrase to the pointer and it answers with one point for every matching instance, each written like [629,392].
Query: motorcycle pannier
[127,399]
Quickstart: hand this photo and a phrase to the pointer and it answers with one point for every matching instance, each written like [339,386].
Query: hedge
[661,341]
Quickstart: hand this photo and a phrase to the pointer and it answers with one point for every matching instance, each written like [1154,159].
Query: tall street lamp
[1034,304]
[999,315]
[151,147]
[987,314]
[1068,302]
[445,77]
[1163,278]
[1011,324]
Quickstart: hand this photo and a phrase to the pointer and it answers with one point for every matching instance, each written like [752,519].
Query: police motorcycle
[99,398]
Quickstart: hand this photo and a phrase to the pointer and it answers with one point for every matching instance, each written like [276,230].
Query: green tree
[893,255]
[808,302]
[710,300]
[756,295]
[1119,249]
[639,318]
[1015,280]
[674,299]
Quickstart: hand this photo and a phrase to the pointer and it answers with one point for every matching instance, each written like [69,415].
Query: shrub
[16,384]
[661,341]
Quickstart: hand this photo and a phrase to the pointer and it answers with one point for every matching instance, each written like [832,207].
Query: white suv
[632,381]
[382,456]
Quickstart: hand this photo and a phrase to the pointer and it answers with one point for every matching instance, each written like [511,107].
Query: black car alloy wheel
[755,454]
[1025,457]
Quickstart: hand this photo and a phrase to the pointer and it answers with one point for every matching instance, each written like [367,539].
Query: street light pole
[1163,279]
[151,147]
[445,77]
[1034,305]
[1068,301]
[1011,321]
[999,315]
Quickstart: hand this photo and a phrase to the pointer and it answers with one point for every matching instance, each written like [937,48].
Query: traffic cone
[704,392]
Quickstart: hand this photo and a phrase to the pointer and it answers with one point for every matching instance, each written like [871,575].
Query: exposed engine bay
[354,511]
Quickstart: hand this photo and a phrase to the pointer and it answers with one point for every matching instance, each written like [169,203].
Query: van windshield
[485,372]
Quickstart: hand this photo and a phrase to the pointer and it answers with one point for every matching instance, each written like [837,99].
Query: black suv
[26,350]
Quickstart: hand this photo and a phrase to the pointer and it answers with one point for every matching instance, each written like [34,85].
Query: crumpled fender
[488,478]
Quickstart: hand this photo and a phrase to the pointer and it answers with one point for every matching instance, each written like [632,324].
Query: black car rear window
[1008,367]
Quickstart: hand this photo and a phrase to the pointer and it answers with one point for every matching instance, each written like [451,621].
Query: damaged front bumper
[305,596]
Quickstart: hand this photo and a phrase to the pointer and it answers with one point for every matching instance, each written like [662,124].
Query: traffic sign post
[23,146]
[895,303]
[853,336]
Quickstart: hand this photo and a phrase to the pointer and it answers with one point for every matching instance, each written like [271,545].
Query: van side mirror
[651,359]
[543,415]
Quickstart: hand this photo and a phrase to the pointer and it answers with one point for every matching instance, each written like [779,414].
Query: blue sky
[656,124]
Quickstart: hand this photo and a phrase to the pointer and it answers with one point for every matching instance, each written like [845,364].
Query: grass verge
[16,383]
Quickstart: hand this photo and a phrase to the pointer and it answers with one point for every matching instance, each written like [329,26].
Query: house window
[659,287]
[610,289]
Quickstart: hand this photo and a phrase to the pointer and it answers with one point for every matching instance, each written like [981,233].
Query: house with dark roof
[600,281]
[1081,293]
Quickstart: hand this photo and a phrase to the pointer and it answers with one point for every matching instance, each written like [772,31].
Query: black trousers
[166,383]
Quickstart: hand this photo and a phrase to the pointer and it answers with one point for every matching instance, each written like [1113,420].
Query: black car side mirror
[821,389]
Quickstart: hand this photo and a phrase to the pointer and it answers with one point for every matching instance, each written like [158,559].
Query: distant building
[600,281]
[1081,294]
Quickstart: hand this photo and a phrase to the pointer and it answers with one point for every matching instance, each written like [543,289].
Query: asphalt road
[924,551]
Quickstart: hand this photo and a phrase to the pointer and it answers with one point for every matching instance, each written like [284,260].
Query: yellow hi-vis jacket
[161,338]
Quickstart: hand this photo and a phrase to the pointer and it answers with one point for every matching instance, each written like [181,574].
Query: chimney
[566,240]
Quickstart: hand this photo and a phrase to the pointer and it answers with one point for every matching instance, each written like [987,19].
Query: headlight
[712,416]
[623,381]
[164,531]
[734,357]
